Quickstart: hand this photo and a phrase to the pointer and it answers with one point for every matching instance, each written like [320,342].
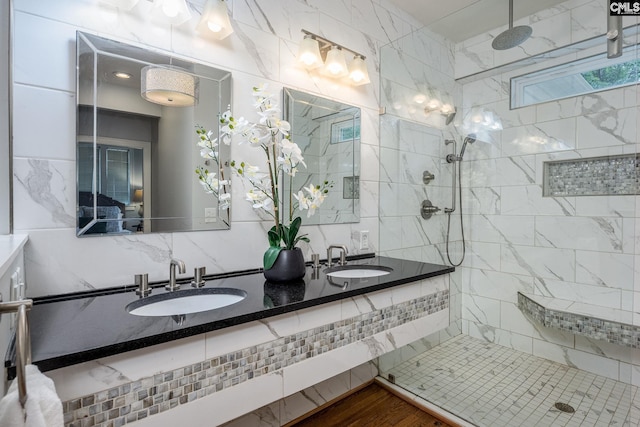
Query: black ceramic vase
[289,266]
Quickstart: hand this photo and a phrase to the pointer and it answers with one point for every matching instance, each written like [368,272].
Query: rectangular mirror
[328,133]
[137,150]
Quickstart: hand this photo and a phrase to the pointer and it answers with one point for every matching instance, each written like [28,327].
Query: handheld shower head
[469,139]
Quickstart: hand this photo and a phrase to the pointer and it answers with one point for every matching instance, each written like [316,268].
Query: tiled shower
[549,200]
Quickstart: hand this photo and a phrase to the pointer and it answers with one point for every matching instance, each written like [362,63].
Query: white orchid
[283,156]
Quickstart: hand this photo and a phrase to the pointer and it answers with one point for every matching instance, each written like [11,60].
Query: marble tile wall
[262,49]
[571,247]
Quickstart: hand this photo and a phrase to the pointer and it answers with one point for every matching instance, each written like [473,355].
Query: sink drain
[564,407]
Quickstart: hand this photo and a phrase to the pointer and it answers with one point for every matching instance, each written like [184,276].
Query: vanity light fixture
[175,11]
[169,85]
[318,52]
[215,21]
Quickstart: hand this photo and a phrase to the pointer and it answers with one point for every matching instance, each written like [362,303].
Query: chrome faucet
[343,254]
[172,286]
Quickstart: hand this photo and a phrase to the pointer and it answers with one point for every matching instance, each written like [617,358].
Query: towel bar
[23,341]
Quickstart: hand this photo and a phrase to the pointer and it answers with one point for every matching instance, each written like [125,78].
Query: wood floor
[371,406]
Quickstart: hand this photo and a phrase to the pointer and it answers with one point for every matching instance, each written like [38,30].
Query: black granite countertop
[73,328]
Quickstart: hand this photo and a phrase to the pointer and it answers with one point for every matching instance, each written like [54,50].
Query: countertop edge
[10,246]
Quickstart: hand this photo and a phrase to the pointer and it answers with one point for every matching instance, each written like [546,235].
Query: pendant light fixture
[313,49]
[215,22]
[169,85]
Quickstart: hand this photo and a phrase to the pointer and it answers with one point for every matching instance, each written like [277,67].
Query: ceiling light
[335,64]
[215,21]
[168,85]
[122,75]
[175,12]
[309,52]
[358,73]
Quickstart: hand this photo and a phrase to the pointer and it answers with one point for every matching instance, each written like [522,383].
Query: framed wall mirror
[328,133]
[137,152]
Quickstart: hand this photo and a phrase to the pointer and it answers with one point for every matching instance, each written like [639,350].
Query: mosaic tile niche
[149,396]
[595,176]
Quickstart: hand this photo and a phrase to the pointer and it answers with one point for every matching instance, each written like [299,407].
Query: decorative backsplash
[595,176]
[149,396]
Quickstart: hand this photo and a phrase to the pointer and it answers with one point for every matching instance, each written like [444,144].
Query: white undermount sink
[357,271]
[185,301]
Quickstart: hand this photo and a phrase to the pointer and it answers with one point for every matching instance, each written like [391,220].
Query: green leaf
[274,237]
[270,256]
[294,227]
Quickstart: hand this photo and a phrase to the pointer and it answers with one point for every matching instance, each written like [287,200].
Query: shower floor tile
[490,385]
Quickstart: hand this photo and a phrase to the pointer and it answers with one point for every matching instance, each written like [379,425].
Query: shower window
[580,77]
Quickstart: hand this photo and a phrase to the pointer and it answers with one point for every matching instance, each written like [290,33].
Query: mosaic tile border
[591,327]
[594,176]
[149,396]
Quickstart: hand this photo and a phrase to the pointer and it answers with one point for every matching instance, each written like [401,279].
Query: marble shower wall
[578,248]
[262,49]
[414,70]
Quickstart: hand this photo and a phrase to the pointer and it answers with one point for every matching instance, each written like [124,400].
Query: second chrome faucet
[173,286]
[343,254]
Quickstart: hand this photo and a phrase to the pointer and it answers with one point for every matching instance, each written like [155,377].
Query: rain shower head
[469,139]
[513,36]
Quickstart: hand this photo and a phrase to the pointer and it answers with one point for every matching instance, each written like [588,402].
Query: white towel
[42,409]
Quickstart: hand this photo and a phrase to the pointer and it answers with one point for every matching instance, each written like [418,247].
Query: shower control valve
[427,209]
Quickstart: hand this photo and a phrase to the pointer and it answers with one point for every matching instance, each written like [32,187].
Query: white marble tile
[616,206]
[495,284]
[286,21]
[605,349]
[108,372]
[481,310]
[54,45]
[614,127]
[482,255]
[362,374]
[591,233]
[518,230]
[500,336]
[483,201]
[557,135]
[605,269]
[542,263]
[528,200]
[302,320]
[377,21]
[44,194]
[581,360]
[579,292]
[237,337]
[52,271]
[55,111]
[580,105]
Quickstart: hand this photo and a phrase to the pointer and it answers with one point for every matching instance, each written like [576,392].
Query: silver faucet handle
[315,259]
[142,282]
[198,277]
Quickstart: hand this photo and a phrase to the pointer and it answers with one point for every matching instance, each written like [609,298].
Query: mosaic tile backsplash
[591,327]
[149,396]
[596,176]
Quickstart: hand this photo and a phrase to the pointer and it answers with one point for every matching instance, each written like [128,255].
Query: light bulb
[419,98]
[214,26]
[170,8]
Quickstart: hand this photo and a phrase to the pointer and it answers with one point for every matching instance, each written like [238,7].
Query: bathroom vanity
[278,340]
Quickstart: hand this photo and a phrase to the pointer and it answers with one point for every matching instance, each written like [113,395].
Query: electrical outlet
[364,239]
[210,215]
